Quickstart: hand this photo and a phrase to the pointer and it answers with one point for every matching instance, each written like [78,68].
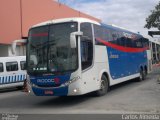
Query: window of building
[23,65]
[11,66]
[1,67]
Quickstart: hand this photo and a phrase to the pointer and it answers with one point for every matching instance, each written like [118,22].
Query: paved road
[128,97]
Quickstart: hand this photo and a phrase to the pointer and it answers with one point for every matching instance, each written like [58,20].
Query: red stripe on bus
[121,48]
[39,34]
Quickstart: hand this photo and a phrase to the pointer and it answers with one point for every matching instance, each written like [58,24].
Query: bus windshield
[49,49]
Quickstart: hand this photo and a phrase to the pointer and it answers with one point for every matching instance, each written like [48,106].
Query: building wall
[5,51]
[10,21]
[17,16]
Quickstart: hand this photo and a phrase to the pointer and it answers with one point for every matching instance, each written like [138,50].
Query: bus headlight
[70,81]
[75,90]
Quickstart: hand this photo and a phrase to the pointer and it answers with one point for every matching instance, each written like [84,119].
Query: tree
[153,20]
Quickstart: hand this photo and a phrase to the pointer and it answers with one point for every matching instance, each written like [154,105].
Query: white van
[12,71]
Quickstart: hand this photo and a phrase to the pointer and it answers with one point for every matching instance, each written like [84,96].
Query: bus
[12,72]
[75,56]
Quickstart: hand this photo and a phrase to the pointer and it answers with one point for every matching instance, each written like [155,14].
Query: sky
[129,14]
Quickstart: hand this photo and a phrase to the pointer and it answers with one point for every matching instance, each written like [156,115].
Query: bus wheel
[145,73]
[104,86]
[142,75]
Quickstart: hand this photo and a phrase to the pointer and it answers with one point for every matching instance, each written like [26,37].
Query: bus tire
[145,73]
[142,75]
[104,86]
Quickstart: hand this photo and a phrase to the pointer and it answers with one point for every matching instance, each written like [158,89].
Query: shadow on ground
[7,90]
[65,101]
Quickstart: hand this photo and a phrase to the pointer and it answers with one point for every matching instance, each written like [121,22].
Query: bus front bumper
[61,91]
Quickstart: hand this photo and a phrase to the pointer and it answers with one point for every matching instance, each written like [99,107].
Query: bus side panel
[135,61]
[122,64]
[117,63]
[91,77]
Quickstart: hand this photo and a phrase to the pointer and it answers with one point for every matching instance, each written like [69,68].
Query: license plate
[48,92]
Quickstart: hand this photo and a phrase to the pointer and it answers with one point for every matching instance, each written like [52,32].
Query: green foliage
[153,20]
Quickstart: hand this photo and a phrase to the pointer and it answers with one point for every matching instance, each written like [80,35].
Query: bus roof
[116,28]
[80,19]
[73,19]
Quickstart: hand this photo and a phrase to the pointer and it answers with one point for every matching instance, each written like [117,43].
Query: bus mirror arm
[73,38]
[14,44]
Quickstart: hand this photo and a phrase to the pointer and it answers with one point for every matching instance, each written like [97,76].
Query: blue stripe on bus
[6,80]
[12,79]
[9,79]
[21,77]
[3,80]
[17,78]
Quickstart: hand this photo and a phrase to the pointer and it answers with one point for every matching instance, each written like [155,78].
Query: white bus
[12,71]
[75,56]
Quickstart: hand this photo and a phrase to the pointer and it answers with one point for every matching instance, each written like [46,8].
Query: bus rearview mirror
[73,38]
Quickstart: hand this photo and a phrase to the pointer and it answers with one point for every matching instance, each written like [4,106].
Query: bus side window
[102,33]
[98,33]
[145,42]
[23,65]
[1,67]
[86,56]
[139,43]
[11,66]
[129,42]
[86,45]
